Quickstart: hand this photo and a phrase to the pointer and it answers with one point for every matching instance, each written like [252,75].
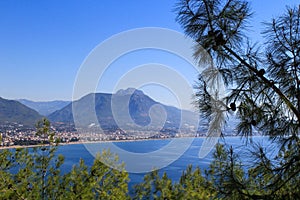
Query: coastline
[89,142]
[101,141]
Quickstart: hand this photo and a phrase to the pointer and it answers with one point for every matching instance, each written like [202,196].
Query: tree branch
[266,81]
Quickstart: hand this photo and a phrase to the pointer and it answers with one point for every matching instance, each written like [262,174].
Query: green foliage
[263,180]
[262,89]
[192,185]
[262,85]
[226,178]
[38,174]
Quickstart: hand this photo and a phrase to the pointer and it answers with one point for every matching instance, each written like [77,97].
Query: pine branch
[266,81]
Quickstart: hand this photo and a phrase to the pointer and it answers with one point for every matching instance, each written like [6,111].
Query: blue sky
[43,43]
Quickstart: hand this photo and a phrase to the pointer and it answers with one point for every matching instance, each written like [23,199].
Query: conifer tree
[262,89]
[35,173]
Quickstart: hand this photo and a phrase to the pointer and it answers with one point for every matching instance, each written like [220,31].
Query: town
[15,134]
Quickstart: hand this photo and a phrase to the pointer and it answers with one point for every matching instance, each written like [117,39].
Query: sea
[242,147]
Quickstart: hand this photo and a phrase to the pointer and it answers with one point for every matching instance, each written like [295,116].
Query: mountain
[12,111]
[130,109]
[44,107]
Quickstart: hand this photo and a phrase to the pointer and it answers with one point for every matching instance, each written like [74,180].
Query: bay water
[74,152]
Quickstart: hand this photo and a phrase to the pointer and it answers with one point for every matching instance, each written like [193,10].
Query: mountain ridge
[129,108]
[12,111]
[44,107]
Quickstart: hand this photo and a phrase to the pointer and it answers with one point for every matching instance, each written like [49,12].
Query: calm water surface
[74,152]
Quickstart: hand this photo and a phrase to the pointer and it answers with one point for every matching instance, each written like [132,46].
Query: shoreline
[89,142]
[101,141]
